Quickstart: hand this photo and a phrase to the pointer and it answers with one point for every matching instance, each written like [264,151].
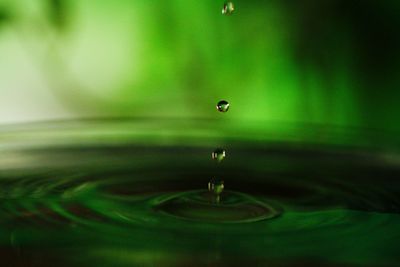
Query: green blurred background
[331,62]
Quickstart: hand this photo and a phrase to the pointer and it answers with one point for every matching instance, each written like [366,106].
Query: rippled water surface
[134,194]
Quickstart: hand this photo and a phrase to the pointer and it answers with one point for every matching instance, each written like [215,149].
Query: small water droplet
[223,106]
[216,186]
[218,155]
[228,8]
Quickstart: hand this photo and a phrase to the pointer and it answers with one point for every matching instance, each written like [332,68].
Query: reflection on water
[118,201]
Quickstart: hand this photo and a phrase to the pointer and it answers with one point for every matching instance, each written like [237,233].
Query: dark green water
[120,193]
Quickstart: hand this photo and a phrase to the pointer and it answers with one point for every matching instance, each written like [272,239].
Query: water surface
[134,193]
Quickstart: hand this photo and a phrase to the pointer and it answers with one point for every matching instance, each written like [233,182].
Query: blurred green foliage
[331,62]
[57,13]
[4,16]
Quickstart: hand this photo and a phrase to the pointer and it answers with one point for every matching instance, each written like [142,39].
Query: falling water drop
[228,8]
[216,186]
[218,155]
[223,106]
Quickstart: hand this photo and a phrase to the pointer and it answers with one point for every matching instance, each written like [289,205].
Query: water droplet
[223,106]
[228,8]
[216,186]
[218,155]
